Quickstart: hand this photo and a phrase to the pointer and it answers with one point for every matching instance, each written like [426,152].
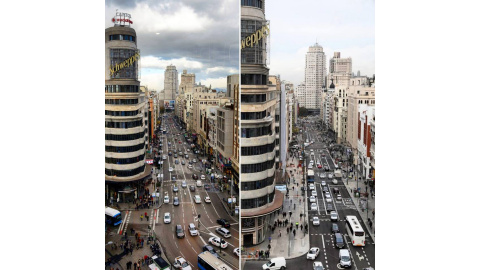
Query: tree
[302,111]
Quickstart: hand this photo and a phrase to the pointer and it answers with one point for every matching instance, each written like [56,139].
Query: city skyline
[183,34]
[338,26]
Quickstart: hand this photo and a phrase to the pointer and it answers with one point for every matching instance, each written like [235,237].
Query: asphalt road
[188,211]
[321,236]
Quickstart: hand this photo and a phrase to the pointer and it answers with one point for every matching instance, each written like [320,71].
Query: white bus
[355,231]
[207,261]
[310,176]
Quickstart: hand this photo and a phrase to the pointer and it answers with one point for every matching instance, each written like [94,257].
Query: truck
[338,174]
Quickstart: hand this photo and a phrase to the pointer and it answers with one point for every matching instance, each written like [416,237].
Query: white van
[193,231]
[275,263]
[344,257]
[199,183]
[197,199]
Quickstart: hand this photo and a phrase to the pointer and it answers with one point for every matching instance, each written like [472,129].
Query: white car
[339,197]
[314,193]
[236,251]
[217,241]
[335,181]
[170,169]
[202,177]
[322,175]
[311,187]
[313,199]
[166,199]
[327,194]
[333,216]
[316,220]
[164,157]
[317,266]
[324,183]
[167,218]
[314,206]
[329,199]
[190,166]
[313,253]
[207,199]
[181,263]
[330,175]
[310,166]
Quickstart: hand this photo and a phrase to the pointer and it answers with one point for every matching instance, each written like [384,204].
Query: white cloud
[222,69]
[159,63]
[154,81]
[215,82]
[161,20]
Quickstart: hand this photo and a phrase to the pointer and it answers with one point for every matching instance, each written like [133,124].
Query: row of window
[256,132]
[254,79]
[258,167]
[124,149]
[131,124]
[125,173]
[121,161]
[258,150]
[122,37]
[257,184]
[122,113]
[122,88]
[257,202]
[253,98]
[128,137]
[254,115]
[253,3]
[130,101]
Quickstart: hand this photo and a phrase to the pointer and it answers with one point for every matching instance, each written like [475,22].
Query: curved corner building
[126,127]
[259,199]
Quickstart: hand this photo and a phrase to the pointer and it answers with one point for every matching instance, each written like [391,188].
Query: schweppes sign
[256,37]
[128,62]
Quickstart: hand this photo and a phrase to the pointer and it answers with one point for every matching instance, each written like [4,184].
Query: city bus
[355,231]
[207,261]
[310,176]
[112,216]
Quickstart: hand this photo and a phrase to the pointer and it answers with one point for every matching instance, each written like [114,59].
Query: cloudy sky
[346,26]
[200,36]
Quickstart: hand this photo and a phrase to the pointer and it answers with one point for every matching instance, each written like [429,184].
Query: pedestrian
[294,205]
[301,227]
[139,261]
[131,249]
[269,246]
[294,232]
[129,265]
[288,230]
[279,233]
[143,262]
[296,224]
[134,266]
[290,212]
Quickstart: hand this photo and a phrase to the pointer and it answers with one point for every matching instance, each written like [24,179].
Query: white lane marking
[120,228]
[323,199]
[323,242]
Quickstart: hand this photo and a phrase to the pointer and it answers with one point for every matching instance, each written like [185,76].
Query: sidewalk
[286,245]
[352,186]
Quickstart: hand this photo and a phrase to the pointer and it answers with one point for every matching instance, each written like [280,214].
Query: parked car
[313,199]
[217,241]
[223,222]
[313,253]
[179,231]
[167,218]
[335,228]
[333,216]
[223,232]
[313,206]
[210,249]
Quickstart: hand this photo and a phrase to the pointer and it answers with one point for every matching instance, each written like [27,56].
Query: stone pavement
[283,244]
[118,255]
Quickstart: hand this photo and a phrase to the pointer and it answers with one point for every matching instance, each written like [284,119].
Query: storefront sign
[149,161]
[256,37]
[128,62]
